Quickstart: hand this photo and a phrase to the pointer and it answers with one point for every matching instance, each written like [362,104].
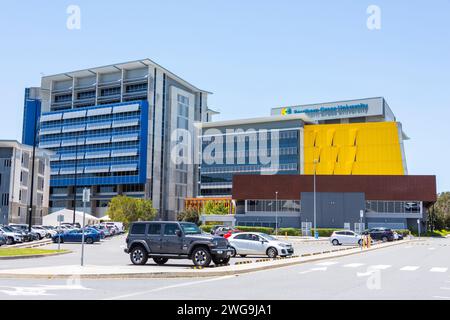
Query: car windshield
[190,228]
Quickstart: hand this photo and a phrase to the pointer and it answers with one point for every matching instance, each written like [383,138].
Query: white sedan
[255,243]
[346,237]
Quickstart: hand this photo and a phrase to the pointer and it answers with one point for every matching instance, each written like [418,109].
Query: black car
[164,240]
[380,234]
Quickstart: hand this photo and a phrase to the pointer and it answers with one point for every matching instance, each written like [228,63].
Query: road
[407,271]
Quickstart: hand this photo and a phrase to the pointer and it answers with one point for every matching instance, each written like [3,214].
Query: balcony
[124,168]
[124,153]
[124,138]
[98,140]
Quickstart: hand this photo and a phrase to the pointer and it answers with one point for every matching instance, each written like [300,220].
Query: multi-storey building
[357,137]
[111,129]
[16,162]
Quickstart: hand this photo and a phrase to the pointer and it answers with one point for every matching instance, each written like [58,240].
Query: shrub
[289,231]
[256,229]
[325,232]
[206,227]
[189,216]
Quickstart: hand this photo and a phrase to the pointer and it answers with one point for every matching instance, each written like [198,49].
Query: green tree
[213,207]
[440,212]
[189,216]
[126,209]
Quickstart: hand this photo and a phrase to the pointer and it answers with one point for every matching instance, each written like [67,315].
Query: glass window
[138,228]
[170,229]
[154,229]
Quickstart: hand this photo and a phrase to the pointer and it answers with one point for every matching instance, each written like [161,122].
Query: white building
[15,182]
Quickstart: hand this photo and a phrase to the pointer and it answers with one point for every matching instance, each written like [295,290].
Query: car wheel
[242,255]
[89,240]
[272,252]
[160,261]
[233,252]
[218,261]
[335,242]
[384,239]
[9,241]
[138,255]
[201,257]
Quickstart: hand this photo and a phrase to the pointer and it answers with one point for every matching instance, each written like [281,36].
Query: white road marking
[410,268]
[441,297]
[185,284]
[328,263]
[437,269]
[353,265]
[444,288]
[431,248]
[380,266]
[408,247]
[314,269]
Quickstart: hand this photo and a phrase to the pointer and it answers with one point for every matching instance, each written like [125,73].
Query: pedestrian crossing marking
[381,266]
[409,268]
[438,269]
[328,263]
[353,265]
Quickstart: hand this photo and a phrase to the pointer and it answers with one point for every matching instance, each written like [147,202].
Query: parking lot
[109,252]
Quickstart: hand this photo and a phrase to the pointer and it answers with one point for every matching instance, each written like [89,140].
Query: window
[170,229]
[241,237]
[138,228]
[154,229]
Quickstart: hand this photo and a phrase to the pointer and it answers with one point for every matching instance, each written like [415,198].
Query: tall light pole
[33,160]
[75,182]
[316,233]
[276,213]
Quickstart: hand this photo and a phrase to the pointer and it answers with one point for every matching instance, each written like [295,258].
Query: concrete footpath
[153,271]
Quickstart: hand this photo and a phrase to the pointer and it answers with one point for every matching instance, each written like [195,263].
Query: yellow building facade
[371,148]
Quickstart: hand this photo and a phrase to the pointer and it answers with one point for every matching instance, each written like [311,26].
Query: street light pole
[276,213]
[75,182]
[316,233]
[33,159]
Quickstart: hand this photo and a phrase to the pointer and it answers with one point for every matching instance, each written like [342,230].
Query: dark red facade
[290,187]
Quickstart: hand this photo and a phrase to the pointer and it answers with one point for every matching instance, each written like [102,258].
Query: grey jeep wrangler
[164,240]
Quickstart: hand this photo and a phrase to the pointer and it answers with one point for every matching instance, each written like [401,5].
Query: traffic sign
[86,195]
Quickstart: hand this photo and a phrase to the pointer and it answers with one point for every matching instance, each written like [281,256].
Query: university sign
[339,110]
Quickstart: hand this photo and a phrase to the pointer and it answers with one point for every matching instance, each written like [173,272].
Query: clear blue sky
[253,55]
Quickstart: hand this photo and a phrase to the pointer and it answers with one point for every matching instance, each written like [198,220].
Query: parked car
[346,237]
[48,232]
[27,235]
[102,233]
[213,229]
[2,239]
[380,234]
[164,240]
[104,229]
[255,243]
[221,231]
[36,234]
[398,236]
[118,225]
[76,236]
[12,236]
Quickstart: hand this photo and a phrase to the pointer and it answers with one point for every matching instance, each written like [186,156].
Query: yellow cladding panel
[371,148]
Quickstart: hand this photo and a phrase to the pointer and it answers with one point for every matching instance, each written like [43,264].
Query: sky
[253,55]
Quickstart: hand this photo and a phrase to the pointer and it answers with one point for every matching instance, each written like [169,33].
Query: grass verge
[17,252]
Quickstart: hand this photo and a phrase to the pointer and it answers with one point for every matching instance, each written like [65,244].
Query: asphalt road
[407,271]
[109,252]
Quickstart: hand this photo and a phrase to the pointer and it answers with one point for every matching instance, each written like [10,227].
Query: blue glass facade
[245,158]
[99,145]
[31,113]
